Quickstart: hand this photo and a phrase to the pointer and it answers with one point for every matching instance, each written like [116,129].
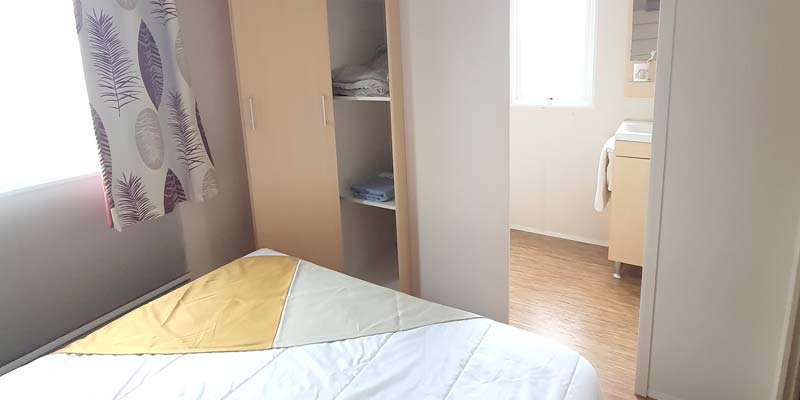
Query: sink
[635,131]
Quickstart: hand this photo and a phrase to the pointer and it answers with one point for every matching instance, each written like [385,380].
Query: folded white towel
[368,79]
[605,173]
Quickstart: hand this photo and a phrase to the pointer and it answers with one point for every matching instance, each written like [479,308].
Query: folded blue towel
[379,188]
[370,197]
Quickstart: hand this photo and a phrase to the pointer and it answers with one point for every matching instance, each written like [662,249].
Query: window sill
[47,185]
[563,106]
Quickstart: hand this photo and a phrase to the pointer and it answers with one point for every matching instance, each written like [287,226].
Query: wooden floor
[564,290]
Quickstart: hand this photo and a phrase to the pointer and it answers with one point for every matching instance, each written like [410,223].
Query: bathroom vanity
[631,163]
[631,176]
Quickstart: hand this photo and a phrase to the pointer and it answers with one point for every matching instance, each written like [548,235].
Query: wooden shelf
[362,98]
[386,205]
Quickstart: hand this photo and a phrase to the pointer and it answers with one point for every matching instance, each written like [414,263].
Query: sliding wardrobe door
[283,67]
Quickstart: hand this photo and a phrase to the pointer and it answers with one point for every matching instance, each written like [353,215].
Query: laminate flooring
[564,290]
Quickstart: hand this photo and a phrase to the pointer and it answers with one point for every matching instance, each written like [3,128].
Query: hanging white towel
[605,173]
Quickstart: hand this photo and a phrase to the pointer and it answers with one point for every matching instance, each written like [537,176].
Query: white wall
[731,200]
[456,71]
[554,151]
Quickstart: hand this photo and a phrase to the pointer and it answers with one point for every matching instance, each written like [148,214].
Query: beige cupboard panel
[283,71]
[398,144]
[628,210]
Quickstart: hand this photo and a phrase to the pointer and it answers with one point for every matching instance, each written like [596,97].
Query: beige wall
[731,200]
[221,229]
[456,70]
[554,151]
[61,266]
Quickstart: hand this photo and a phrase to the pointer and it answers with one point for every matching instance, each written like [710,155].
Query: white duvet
[464,359]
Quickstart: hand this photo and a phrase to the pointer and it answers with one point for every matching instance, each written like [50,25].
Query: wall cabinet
[647,24]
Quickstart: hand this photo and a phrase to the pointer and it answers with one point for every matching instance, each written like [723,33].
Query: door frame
[660,142]
[789,363]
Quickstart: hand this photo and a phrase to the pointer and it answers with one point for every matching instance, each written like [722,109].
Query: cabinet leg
[617,270]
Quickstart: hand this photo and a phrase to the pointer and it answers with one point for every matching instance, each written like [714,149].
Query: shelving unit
[315,146]
[362,98]
[386,205]
[370,141]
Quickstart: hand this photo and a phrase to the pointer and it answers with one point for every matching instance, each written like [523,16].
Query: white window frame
[591,57]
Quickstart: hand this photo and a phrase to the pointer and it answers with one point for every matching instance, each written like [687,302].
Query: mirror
[644,35]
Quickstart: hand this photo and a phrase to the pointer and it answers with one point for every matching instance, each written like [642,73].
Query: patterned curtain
[153,149]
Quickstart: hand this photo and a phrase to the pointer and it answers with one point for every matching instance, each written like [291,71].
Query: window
[553,46]
[46,131]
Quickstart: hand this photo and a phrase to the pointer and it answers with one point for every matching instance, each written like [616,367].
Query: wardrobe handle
[324,113]
[252,116]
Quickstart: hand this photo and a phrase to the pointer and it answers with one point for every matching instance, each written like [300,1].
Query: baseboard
[661,396]
[63,340]
[559,235]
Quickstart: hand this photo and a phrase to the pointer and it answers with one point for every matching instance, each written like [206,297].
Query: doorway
[564,249]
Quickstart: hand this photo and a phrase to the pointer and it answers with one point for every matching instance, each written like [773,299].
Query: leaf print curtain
[152,145]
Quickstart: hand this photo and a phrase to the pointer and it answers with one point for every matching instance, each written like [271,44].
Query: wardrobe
[305,147]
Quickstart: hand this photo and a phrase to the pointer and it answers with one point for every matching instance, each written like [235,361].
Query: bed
[318,334]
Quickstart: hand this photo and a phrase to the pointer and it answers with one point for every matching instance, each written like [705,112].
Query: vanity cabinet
[629,202]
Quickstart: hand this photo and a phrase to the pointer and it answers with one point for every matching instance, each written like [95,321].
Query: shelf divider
[363,98]
[386,205]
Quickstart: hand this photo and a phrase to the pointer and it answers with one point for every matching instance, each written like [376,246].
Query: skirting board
[559,235]
[63,340]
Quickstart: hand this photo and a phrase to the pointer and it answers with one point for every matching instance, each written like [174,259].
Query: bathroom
[567,237]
